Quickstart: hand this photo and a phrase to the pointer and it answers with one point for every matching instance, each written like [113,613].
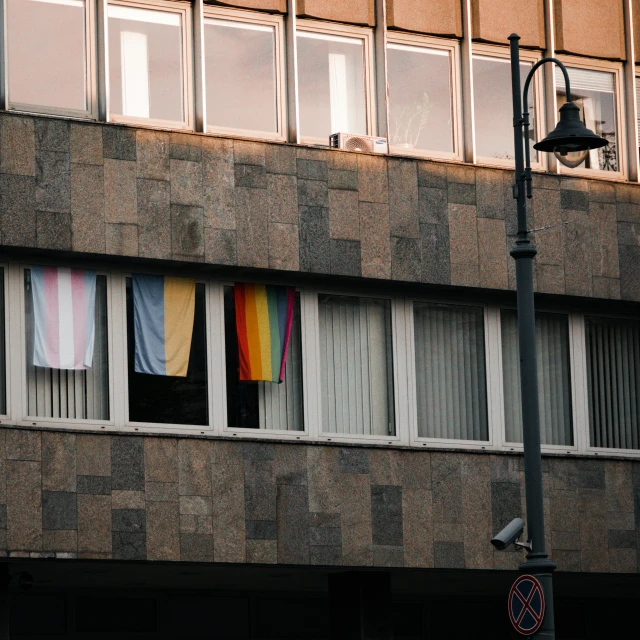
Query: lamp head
[570,141]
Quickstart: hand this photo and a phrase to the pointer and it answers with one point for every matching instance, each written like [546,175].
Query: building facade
[357,498]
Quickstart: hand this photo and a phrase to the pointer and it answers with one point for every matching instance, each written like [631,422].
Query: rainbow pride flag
[163,314]
[264,314]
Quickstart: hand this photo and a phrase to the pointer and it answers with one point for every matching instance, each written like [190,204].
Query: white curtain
[613,369]
[357,365]
[450,372]
[58,393]
[554,380]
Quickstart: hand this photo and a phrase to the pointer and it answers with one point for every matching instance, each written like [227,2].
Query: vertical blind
[357,365]
[61,393]
[613,370]
[450,372]
[554,379]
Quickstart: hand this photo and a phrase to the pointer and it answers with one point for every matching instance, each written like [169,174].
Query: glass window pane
[3,357]
[613,370]
[47,53]
[356,365]
[420,105]
[493,107]
[331,85]
[241,75]
[68,393]
[594,92]
[263,405]
[170,399]
[450,372]
[145,63]
[554,378]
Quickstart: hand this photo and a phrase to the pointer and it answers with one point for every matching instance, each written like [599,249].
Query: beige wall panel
[351,11]
[495,21]
[437,17]
[590,28]
[273,6]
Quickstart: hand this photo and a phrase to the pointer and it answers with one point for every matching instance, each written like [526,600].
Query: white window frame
[502,53]
[7,342]
[91,112]
[368,62]
[616,68]
[254,18]
[455,83]
[184,10]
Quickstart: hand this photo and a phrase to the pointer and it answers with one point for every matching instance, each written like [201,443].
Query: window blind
[450,372]
[357,365]
[613,370]
[554,380]
[586,80]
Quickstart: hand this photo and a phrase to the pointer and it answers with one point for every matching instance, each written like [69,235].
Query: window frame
[453,48]
[343,30]
[592,64]
[91,70]
[185,11]
[4,266]
[253,17]
[531,56]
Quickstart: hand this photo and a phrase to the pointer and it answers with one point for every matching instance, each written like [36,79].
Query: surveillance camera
[509,534]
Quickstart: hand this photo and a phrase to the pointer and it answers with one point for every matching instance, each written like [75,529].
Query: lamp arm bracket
[527,82]
[550,226]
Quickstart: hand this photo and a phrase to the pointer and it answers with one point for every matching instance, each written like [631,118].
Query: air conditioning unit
[351,142]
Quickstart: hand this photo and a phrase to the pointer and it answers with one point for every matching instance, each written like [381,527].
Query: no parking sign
[526,605]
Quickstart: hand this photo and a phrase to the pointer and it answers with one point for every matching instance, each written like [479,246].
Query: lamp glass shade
[569,157]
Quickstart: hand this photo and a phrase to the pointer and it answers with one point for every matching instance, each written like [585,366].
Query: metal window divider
[631,102]
[291,48]
[550,102]
[466,55]
[382,86]
[200,87]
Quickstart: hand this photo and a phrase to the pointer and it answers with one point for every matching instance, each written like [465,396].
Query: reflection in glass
[47,61]
[263,405]
[241,75]
[493,107]
[594,93]
[420,109]
[145,63]
[331,85]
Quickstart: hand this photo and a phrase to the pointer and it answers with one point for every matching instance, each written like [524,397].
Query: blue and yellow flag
[163,313]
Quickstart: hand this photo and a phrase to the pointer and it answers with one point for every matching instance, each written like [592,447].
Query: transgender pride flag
[64,303]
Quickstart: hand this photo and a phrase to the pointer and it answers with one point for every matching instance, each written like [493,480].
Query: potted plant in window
[409,121]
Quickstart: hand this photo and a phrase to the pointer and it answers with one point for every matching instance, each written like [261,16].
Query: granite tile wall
[106,189]
[171,499]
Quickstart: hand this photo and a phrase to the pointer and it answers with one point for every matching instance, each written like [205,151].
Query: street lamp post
[570,142]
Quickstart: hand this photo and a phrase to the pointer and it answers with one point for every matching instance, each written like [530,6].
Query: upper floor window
[48,61]
[333,71]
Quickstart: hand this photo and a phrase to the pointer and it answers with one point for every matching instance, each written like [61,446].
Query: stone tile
[602,191]
[281,158]
[550,278]
[341,160]
[461,173]
[262,551]
[129,545]
[605,260]
[162,492]
[58,461]
[293,524]
[628,212]
[314,242]
[60,541]
[24,504]
[565,540]
[120,191]
[353,460]
[85,143]
[194,464]
[629,273]
[283,247]
[622,539]
[195,547]
[345,258]
[249,153]
[23,445]
[325,556]
[189,152]
[186,183]
[568,560]
[574,200]
[623,561]
[506,504]
[344,219]
[17,146]
[3,516]
[258,451]
[161,459]
[190,523]
[546,204]
[127,499]
[129,520]
[53,230]
[127,463]
[492,253]
[163,534]
[405,259]
[432,175]
[220,246]
[578,243]
[591,474]
[53,184]
[574,184]
[52,135]
[458,193]
[355,509]
[312,193]
[321,533]
[119,143]
[385,556]
[386,515]
[403,198]
[621,520]
[17,210]
[629,233]
[341,179]
[282,198]
[59,510]
[447,487]
[433,206]
[261,530]
[417,531]
[448,555]
[463,239]
[375,240]
[122,239]
[88,208]
[626,192]
[490,193]
[435,255]
[154,219]
[218,182]
[260,491]
[476,508]
[385,467]
[187,231]
[94,485]
[250,176]
[195,505]
[93,455]
[290,465]
[252,225]
[373,181]
[312,169]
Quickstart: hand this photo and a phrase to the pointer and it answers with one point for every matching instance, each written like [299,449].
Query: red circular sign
[526,605]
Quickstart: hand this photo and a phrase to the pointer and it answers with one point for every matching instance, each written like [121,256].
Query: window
[554,381]
[422,112]
[67,393]
[332,84]
[263,405]
[3,354]
[450,372]
[493,108]
[613,381]
[356,365]
[243,71]
[170,399]
[147,58]
[594,92]
[47,55]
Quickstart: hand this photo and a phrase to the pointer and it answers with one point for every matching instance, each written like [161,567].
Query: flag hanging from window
[64,303]
[163,314]
[264,314]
